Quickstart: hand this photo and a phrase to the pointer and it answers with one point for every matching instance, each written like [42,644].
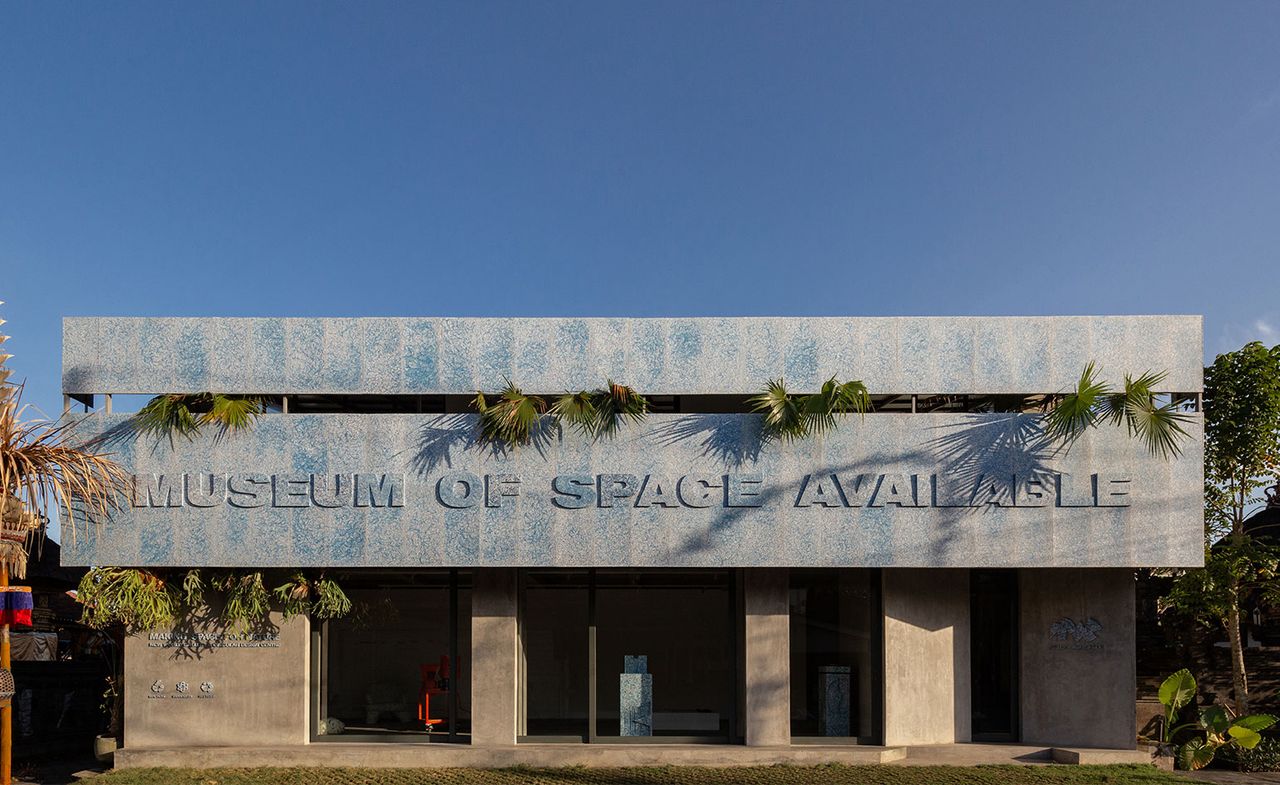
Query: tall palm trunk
[1239,679]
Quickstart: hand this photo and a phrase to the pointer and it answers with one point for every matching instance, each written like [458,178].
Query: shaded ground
[54,772]
[764,775]
[1227,777]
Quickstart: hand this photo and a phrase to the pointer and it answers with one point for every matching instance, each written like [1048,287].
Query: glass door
[993,630]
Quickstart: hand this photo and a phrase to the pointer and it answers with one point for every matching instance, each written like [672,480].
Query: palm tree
[602,411]
[184,414]
[42,463]
[1095,402]
[512,418]
[790,417]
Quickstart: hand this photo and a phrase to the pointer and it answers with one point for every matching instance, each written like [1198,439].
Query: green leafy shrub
[1264,757]
[1213,729]
[134,599]
[141,600]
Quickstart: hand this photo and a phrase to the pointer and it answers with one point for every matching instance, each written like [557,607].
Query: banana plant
[790,417]
[1095,402]
[1214,726]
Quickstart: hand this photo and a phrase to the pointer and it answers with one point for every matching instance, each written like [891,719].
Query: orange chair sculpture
[435,681]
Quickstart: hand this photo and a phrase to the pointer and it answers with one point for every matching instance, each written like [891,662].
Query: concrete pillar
[494,662]
[926,656]
[767,657]
[1076,642]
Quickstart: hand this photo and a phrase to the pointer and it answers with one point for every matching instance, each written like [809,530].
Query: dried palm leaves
[43,463]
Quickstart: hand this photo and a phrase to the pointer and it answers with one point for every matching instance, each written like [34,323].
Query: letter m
[155,490]
[379,490]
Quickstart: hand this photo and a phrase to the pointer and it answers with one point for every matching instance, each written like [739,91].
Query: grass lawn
[761,775]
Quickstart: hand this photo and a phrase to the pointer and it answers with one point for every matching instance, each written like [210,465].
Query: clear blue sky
[592,158]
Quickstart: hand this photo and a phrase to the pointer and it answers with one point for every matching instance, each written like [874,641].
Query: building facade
[936,571]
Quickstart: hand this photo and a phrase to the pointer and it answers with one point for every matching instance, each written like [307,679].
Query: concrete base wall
[926,656]
[1077,649]
[768,657]
[494,657]
[238,692]
[442,756]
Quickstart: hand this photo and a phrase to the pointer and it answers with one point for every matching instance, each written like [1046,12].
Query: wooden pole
[6,713]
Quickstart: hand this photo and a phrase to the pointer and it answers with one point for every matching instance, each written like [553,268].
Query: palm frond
[577,409]
[819,409]
[1134,406]
[1076,412]
[512,419]
[615,404]
[171,415]
[1159,427]
[233,412]
[44,463]
[782,416]
[854,397]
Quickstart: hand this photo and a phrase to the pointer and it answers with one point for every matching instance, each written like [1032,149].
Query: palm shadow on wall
[981,448]
[999,446]
[445,438]
[731,440]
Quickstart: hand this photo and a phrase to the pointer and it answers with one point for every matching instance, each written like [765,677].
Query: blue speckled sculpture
[635,696]
[833,700]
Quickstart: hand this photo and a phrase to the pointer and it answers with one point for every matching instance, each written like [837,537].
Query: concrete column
[1076,642]
[926,656]
[494,661]
[768,657]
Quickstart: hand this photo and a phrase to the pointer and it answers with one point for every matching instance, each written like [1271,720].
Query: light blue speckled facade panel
[752,492]
[902,355]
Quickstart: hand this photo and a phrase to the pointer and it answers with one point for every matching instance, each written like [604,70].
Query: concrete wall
[926,355]
[925,490]
[768,657]
[258,690]
[494,657]
[1078,677]
[926,657]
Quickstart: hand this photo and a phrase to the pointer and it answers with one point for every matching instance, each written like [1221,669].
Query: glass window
[682,624]
[659,644]
[835,654]
[555,648]
[397,665]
